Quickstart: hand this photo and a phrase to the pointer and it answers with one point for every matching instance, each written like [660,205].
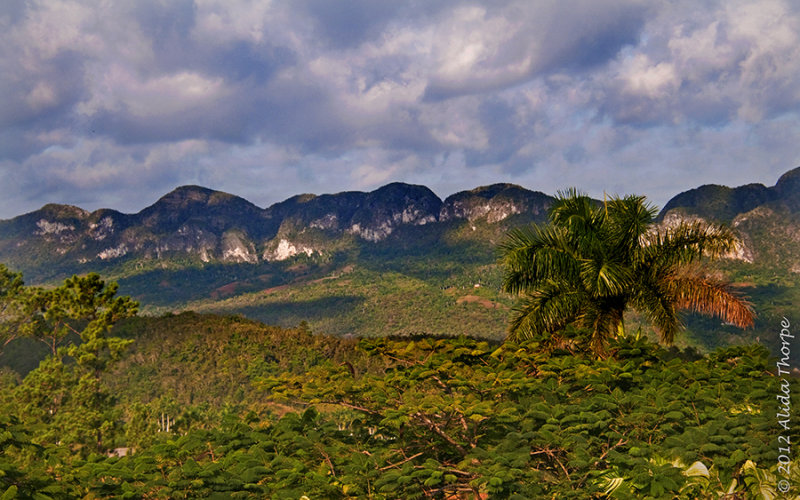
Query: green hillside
[396,261]
[197,405]
[222,407]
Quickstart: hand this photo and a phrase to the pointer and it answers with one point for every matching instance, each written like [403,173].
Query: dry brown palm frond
[701,292]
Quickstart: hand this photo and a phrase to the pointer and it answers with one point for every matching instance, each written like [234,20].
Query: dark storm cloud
[506,134]
[12,10]
[31,108]
[165,23]
[51,92]
[170,28]
[572,36]
[348,23]
[737,61]
[120,101]
[247,61]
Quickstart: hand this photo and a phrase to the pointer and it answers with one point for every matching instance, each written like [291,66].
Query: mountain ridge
[742,198]
[723,203]
[215,225]
[205,225]
[396,260]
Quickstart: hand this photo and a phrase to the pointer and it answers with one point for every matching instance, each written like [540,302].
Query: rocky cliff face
[494,203]
[766,219]
[203,225]
[787,190]
[720,202]
[210,226]
[391,206]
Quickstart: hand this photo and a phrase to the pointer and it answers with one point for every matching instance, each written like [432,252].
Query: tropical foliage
[430,418]
[14,315]
[198,406]
[593,262]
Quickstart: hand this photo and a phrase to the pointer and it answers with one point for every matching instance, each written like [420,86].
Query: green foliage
[14,308]
[64,400]
[86,307]
[593,262]
[224,407]
[410,418]
[425,298]
[449,416]
[191,360]
[14,482]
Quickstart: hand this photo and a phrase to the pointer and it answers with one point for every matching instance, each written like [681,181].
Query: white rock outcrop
[113,253]
[236,248]
[47,227]
[286,249]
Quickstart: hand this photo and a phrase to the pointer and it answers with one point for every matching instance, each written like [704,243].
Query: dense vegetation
[209,406]
[225,407]
[419,280]
[385,289]
[593,262]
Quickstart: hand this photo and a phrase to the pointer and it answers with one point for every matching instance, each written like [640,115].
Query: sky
[114,103]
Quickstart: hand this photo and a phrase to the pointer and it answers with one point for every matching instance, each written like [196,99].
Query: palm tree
[594,261]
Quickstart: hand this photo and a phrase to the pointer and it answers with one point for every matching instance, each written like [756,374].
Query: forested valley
[282,413]
[99,402]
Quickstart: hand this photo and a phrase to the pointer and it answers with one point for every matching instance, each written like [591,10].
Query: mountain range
[197,223]
[335,253]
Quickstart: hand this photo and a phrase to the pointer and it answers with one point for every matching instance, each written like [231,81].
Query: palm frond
[658,303]
[576,212]
[629,219]
[687,242]
[534,254]
[603,277]
[545,310]
[699,292]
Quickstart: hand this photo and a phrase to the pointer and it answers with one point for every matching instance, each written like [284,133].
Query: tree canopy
[594,261]
[64,398]
[319,416]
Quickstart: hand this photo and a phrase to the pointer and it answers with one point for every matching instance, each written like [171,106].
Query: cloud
[348,23]
[267,98]
[735,60]
[484,50]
